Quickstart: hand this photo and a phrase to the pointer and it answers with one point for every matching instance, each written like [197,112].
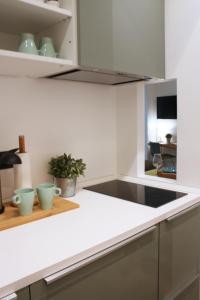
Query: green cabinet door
[23,294]
[95,33]
[129,272]
[179,253]
[139,37]
[190,292]
[126,36]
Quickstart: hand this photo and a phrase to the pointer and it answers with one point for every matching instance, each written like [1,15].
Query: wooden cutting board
[11,218]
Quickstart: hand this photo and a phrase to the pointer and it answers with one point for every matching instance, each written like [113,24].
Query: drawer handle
[54,277]
[10,297]
[182,213]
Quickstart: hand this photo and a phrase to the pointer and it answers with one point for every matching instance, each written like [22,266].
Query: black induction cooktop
[141,194]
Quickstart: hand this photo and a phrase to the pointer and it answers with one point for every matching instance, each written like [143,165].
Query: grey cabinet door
[126,36]
[191,292]
[139,43]
[23,294]
[179,252]
[127,273]
[95,33]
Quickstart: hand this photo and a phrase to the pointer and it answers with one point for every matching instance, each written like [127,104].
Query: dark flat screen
[167,107]
[141,194]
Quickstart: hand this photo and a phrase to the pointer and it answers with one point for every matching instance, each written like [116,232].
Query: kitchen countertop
[33,251]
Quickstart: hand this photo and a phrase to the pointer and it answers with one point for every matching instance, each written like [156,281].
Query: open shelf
[17,16]
[43,20]
[27,65]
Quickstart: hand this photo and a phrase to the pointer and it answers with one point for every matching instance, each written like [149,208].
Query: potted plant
[168,137]
[66,170]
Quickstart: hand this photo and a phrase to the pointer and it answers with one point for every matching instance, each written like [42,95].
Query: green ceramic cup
[27,44]
[24,199]
[47,47]
[46,193]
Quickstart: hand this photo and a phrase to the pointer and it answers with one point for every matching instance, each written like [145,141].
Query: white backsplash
[57,117]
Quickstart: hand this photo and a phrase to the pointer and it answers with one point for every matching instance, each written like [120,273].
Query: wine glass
[157,161]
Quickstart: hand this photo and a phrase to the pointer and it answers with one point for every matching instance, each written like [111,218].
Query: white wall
[127,129]
[60,116]
[183,63]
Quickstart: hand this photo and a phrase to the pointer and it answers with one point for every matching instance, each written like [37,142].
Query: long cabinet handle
[10,297]
[54,277]
[182,213]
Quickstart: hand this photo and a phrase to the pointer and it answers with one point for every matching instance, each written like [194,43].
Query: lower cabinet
[179,251]
[23,294]
[190,292]
[160,263]
[130,271]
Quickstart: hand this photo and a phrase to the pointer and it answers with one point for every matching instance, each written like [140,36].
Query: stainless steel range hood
[98,76]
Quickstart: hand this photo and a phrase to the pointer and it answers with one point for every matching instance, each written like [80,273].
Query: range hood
[100,76]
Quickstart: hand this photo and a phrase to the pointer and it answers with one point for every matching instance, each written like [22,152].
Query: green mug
[47,47]
[24,199]
[46,193]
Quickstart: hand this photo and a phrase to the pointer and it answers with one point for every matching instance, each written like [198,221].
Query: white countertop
[33,251]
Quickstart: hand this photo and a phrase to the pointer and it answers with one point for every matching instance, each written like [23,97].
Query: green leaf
[64,166]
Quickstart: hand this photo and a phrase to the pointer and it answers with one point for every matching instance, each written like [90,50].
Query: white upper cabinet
[34,16]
